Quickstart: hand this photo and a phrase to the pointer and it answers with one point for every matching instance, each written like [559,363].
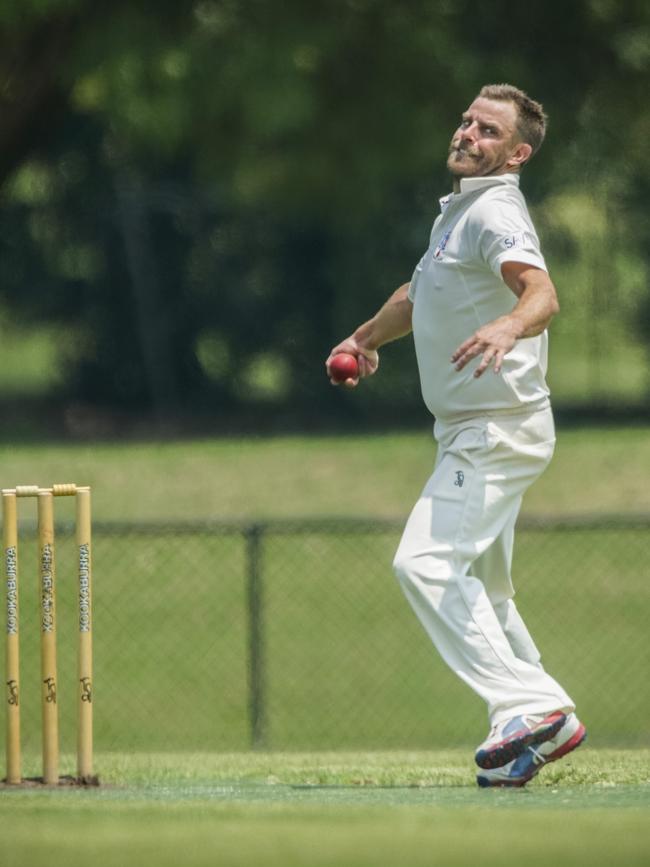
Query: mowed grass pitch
[289,810]
[328,809]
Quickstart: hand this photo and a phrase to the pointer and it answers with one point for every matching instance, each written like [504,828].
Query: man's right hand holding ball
[348,363]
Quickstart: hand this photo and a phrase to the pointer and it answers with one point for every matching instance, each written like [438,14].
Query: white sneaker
[522,769]
[509,740]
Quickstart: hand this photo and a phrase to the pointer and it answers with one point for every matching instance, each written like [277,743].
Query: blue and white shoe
[510,739]
[522,769]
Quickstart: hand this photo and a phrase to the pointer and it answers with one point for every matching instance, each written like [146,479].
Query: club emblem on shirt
[442,243]
[460,478]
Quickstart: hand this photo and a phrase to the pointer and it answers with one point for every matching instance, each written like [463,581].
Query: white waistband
[520,409]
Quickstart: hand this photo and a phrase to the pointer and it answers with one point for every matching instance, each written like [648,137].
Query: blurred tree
[33,93]
[210,193]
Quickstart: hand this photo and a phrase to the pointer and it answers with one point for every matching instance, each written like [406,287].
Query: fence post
[256,682]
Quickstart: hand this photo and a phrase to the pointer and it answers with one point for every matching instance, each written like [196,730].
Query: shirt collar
[470,185]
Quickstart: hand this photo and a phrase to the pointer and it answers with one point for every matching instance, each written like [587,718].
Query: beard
[465,161]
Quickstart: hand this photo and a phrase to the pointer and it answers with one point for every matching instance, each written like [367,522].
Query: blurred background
[198,199]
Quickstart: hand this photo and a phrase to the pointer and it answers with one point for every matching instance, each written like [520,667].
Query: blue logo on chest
[442,243]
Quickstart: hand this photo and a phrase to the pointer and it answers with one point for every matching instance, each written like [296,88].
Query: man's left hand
[493,341]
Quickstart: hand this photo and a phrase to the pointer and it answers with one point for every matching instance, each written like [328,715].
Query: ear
[520,155]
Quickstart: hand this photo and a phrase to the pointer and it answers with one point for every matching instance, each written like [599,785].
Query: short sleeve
[506,234]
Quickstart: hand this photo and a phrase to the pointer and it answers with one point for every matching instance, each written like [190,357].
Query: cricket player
[478,305]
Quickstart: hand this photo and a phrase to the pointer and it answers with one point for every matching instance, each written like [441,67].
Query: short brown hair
[531,118]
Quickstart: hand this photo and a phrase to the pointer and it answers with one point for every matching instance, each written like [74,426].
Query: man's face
[485,140]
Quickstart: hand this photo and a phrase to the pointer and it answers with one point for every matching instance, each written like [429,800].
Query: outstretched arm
[393,320]
[536,306]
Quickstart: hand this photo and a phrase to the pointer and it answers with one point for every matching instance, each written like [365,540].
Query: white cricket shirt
[457,287]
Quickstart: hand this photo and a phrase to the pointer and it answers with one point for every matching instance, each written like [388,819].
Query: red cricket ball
[344,366]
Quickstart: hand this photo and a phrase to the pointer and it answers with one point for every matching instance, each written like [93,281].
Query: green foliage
[17,16]
[224,189]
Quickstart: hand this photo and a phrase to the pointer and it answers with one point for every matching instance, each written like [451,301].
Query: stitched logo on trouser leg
[460,478]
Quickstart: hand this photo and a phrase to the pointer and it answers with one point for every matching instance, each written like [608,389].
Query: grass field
[594,470]
[344,663]
[353,809]
[171,668]
[171,607]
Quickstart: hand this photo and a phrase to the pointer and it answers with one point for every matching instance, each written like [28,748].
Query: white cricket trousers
[454,559]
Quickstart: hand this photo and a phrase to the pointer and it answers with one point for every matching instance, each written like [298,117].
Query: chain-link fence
[296,636]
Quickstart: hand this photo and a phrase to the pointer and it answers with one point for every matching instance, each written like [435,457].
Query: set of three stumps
[47,620]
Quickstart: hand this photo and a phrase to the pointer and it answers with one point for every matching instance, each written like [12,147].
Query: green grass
[346,664]
[594,470]
[363,770]
[289,810]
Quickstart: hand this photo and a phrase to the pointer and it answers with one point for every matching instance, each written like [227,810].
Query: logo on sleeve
[512,241]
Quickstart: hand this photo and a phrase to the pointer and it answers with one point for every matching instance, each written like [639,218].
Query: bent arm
[537,303]
[532,313]
[392,321]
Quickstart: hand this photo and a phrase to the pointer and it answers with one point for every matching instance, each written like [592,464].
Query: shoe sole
[579,737]
[515,744]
